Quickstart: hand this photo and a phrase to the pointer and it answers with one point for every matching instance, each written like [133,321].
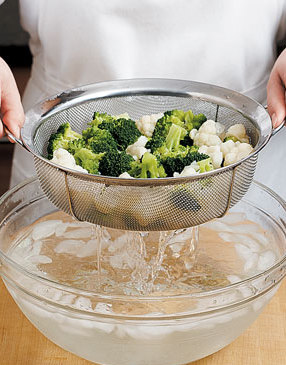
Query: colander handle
[277,129]
[15,139]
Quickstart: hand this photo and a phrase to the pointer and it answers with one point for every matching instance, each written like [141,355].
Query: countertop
[264,343]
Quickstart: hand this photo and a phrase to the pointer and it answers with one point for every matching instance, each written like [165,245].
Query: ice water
[116,262]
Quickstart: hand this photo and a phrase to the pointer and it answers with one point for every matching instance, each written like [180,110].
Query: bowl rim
[138,298]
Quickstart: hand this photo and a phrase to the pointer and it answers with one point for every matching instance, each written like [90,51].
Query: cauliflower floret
[204,139]
[123,115]
[206,135]
[244,149]
[215,154]
[236,153]
[146,124]
[64,158]
[187,171]
[193,133]
[220,129]
[125,175]
[227,147]
[238,131]
[138,149]
[209,127]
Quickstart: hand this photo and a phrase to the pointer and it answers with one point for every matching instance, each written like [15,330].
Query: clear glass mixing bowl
[159,327]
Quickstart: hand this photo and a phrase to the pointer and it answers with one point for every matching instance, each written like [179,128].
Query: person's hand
[12,114]
[276,91]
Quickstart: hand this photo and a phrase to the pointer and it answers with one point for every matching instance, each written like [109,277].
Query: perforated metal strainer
[144,204]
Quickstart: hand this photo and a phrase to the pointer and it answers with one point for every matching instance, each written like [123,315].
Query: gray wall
[11,32]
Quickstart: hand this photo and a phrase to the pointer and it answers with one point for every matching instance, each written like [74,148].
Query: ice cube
[251,262]
[45,229]
[261,238]
[78,233]
[69,246]
[40,259]
[266,260]
[243,251]
[89,249]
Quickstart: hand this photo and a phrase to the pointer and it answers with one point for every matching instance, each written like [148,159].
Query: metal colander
[144,204]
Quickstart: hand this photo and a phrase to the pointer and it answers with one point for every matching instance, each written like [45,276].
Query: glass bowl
[124,314]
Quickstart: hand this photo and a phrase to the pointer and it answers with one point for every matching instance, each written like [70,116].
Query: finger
[11,106]
[276,97]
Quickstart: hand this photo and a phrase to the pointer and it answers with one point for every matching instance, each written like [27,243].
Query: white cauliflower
[220,129]
[215,154]
[125,175]
[227,147]
[207,135]
[146,124]
[138,149]
[188,171]
[64,158]
[235,151]
[193,133]
[239,132]
[123,115]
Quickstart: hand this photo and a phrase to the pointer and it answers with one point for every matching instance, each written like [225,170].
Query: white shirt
[225,42]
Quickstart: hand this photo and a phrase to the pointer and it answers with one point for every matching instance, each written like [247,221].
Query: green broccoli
[61,139]
[88,160]
[193,120]
[114,163]
[75,145]
[174,137]
[99,118]
[162,129]
[205,165]
[148,167]
[89,132]
[124,131]
[102,141]
[175,161]
[175,113]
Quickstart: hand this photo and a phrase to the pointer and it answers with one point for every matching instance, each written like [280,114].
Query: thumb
[276,91]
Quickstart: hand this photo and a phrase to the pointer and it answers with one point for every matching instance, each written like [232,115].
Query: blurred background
[15,51]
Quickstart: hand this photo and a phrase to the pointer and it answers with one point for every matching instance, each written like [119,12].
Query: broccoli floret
[162,128]
[124,131]
[187,141]
[67,132]
[89,132]
[114,163]
[148,167]
[198,120]
[205,165]
[76,145]
[102,141]
[194,121]
[176,113]
[159,134]
[99,118]
[231,138]
[174,137]
[175,161]
[61,139]
[88,160]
